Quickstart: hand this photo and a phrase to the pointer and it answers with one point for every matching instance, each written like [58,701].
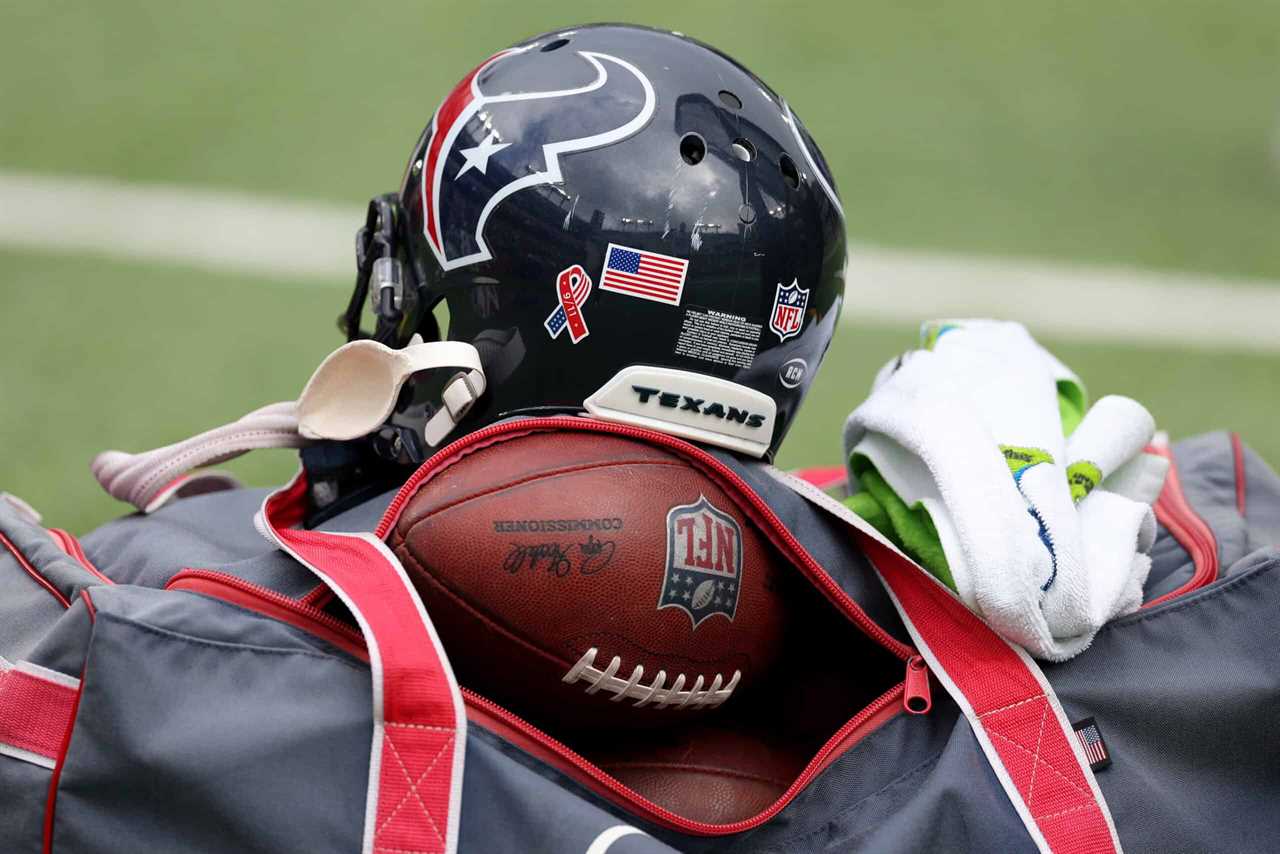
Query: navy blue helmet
[623,221]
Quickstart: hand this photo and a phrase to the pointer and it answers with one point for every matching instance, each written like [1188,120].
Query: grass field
[1143,134]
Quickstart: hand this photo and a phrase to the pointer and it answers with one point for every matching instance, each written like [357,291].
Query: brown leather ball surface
[533,551]
[705,772]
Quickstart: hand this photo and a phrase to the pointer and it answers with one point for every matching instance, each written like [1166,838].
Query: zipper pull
[916,698]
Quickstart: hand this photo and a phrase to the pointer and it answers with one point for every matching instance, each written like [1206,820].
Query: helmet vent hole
[692,148]
[743,150]
[730,100]
[555,45]
[790,174]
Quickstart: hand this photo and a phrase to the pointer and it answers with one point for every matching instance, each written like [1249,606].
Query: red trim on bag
[1180,519]
[89,606]
[418,714]
[1237,451]
[33,572]
[1007,702]
[289,508]
[51,800]
[317,596]
[269,603]
[72,548]
[33,712]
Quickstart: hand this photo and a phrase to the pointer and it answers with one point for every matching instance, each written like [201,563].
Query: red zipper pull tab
[916,698]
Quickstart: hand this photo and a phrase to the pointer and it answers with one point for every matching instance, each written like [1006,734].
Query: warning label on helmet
[714,336]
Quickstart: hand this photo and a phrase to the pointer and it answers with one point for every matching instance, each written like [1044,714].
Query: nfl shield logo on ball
[704,561]
[789,304]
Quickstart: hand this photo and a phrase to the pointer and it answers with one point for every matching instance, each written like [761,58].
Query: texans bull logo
[523,135]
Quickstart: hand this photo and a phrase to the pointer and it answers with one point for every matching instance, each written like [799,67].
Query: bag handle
[1008,702]
[419,722]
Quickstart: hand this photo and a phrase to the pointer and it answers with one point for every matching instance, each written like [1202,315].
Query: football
[593,581]
[705,772]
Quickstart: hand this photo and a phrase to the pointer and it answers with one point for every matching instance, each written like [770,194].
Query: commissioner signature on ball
[561,559]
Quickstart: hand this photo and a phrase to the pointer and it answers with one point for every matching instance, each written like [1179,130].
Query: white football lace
[656,691]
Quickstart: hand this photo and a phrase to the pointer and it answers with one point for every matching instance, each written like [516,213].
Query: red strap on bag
[1009,704]
[415,768]
[36,707]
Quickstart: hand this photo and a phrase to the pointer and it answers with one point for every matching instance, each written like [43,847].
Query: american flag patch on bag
[1095,749]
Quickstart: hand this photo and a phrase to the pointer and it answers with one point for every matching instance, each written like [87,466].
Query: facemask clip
[386,289]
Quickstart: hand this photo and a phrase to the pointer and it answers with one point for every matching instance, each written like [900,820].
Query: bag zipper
[557,754]
[270,603]
[763,513]
[1185,525]
[913,693]
[917,699]
[263,600]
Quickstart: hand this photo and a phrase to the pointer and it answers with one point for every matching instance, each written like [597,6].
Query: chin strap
[353,394]
[355,390]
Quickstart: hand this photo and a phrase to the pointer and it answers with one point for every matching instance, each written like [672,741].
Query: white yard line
[242,233]
[1066,301]
[199,227]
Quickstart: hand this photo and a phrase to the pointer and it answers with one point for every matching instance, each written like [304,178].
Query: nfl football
[594,581]
[705,772]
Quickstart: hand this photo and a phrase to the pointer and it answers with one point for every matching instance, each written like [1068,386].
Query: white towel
[971,430]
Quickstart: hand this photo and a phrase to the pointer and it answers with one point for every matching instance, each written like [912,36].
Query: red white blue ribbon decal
[572,288]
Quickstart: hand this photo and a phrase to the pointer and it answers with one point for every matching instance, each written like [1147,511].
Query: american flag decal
[1095,749]
[646,275]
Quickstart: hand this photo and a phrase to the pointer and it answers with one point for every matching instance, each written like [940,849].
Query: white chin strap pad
[355,389]
[693,406]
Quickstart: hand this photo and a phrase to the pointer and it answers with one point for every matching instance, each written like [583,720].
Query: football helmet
[622,221]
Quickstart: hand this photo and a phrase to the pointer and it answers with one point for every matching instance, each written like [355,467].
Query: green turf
[99,355]
[108,355]
[1142,132]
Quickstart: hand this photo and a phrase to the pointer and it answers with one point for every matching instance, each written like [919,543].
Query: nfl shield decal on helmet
[704,561]
[789,304]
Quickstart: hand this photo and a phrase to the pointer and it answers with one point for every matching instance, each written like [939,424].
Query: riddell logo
[688,403]
[704,561]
